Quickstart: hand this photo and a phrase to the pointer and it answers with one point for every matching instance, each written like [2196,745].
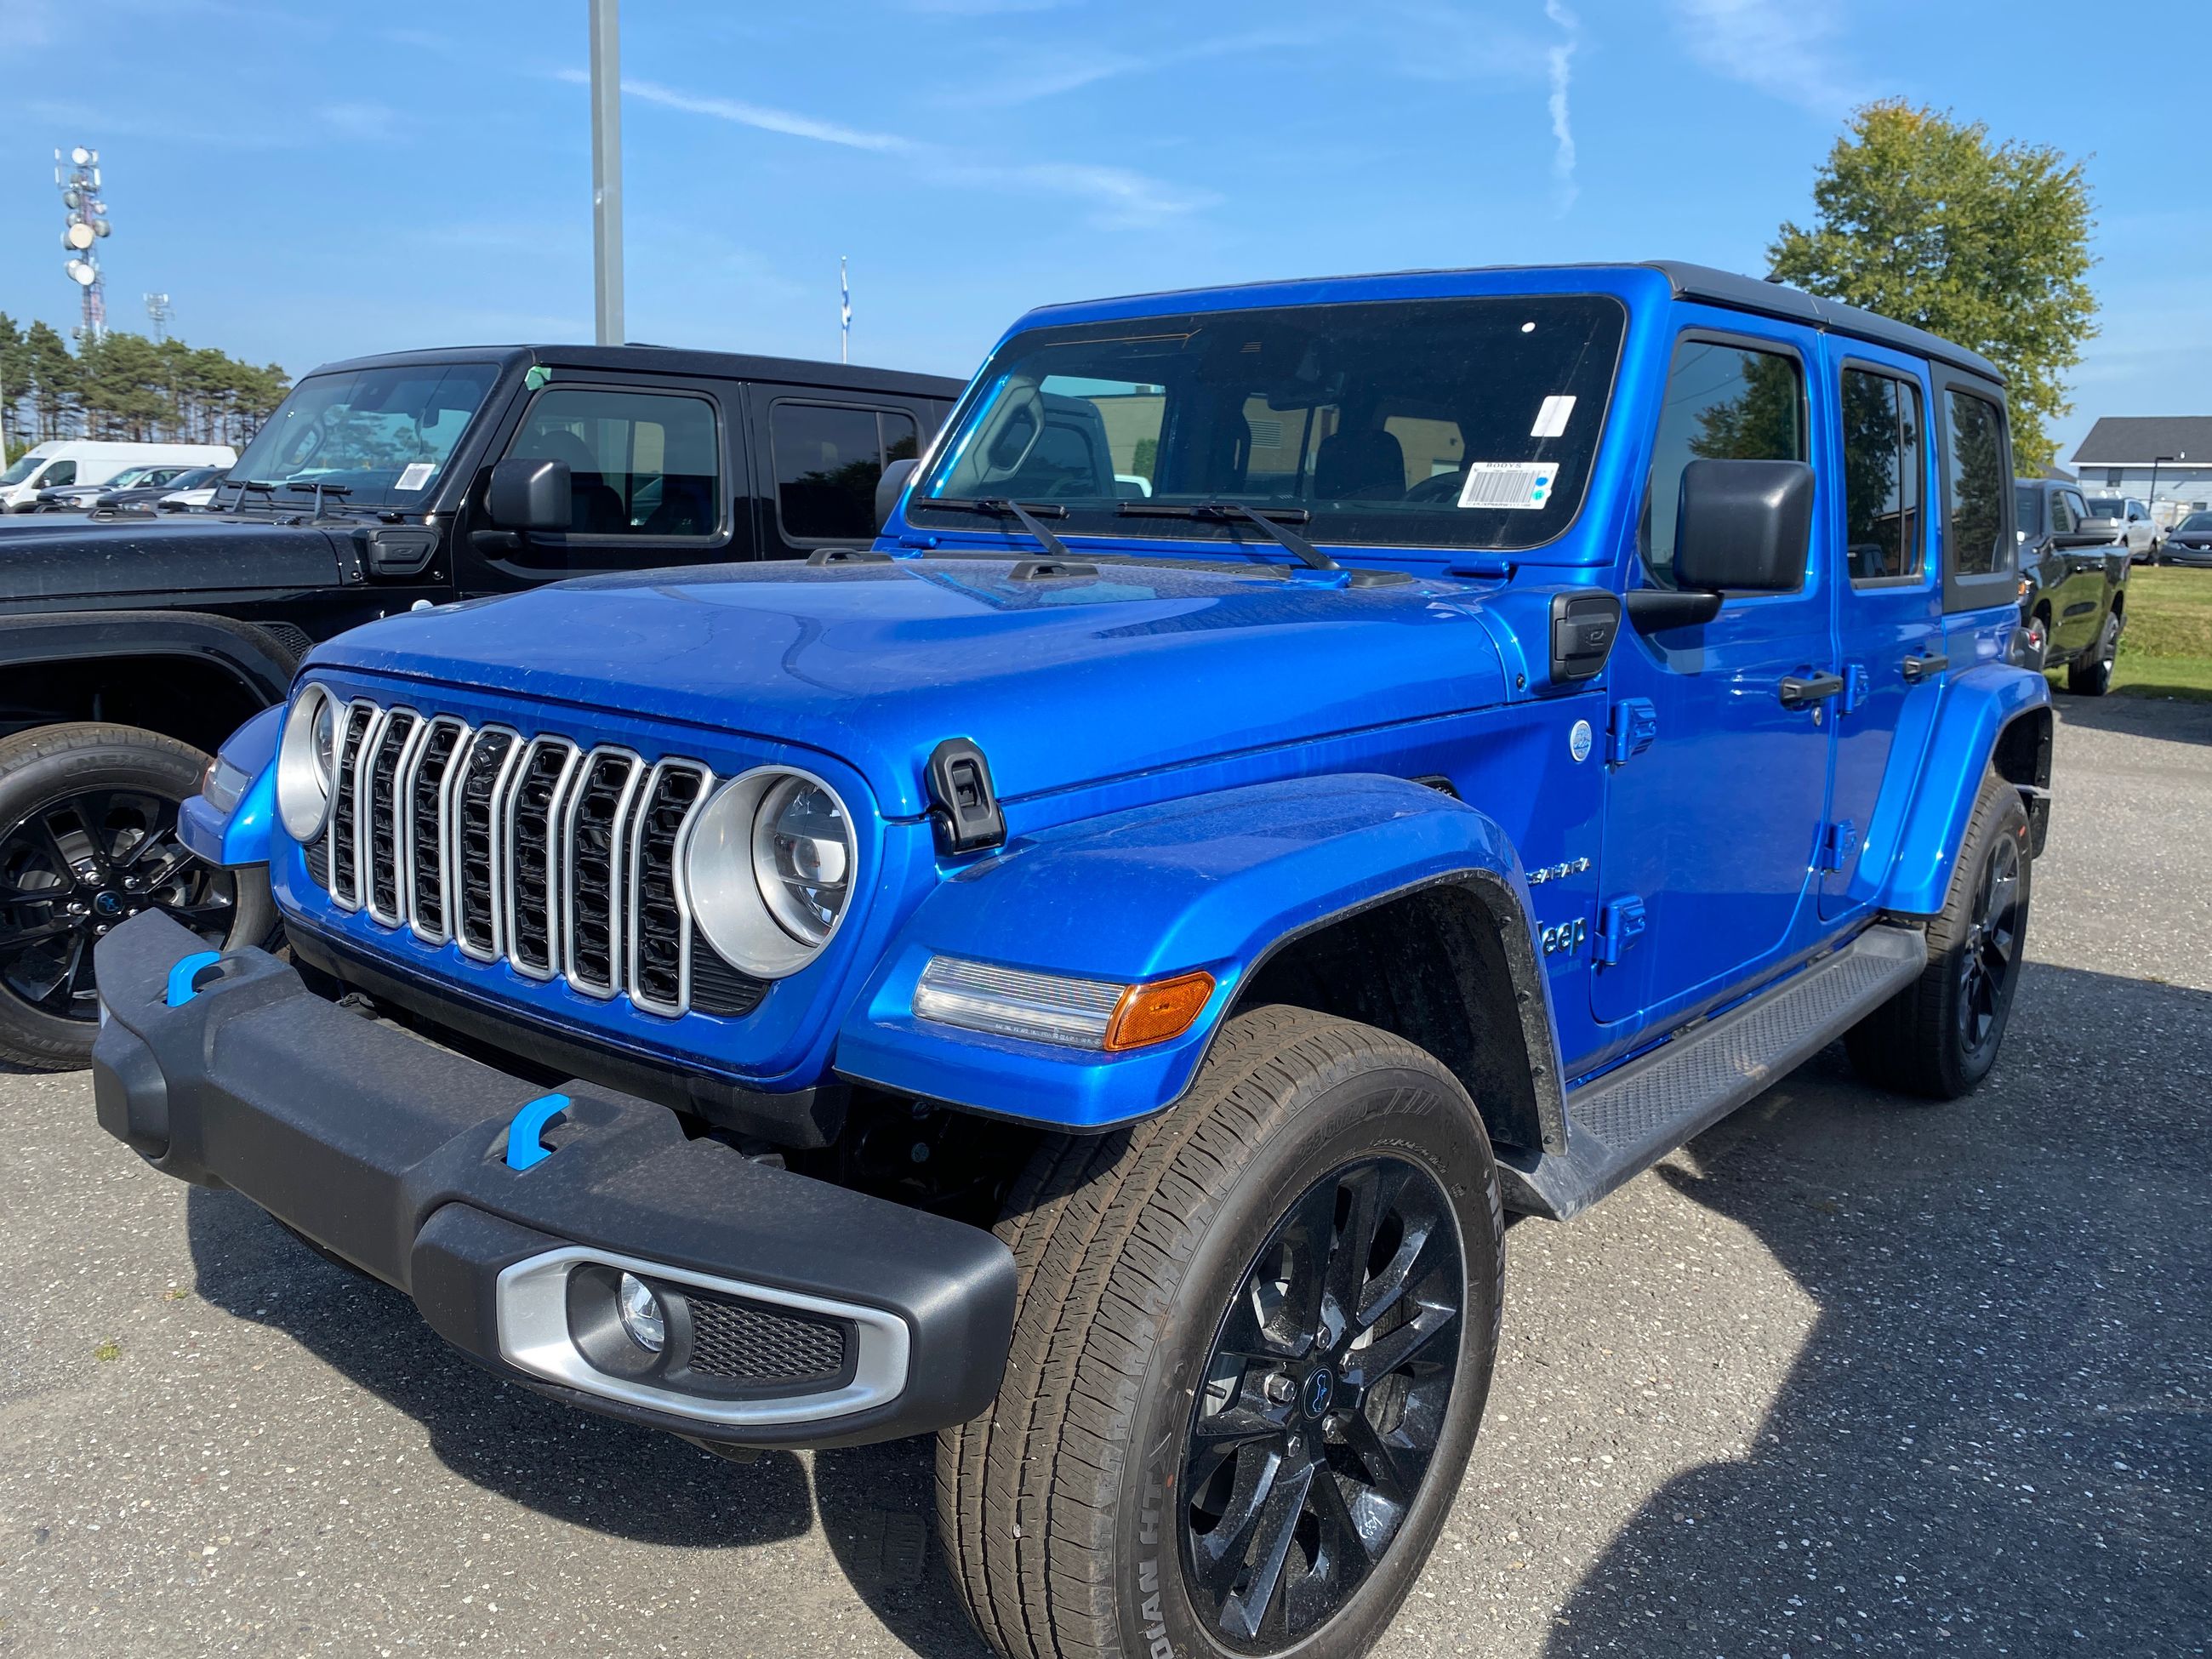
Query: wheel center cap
[108,904]
[1320,1389]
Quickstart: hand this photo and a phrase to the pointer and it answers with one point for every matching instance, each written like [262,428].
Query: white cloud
[1786,48]
[1560,66]
[758,115]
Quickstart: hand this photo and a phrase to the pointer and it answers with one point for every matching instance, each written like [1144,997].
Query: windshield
[2026,508]
[382,434]
[2195,521]
[2105,506]
[1456,422]
[24,467]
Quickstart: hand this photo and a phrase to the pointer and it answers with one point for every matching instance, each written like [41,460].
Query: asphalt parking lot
[1848,1374]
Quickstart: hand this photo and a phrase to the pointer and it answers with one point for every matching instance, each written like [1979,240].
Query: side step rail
[1624,1122]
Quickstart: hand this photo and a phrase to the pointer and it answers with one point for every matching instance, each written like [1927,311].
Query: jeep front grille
[561,861]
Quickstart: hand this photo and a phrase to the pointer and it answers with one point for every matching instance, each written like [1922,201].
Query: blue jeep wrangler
[1304,769]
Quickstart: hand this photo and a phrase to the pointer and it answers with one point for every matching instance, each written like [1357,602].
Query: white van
[89,461]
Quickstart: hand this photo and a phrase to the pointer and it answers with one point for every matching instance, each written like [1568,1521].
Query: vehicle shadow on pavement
[874,1502]
[2141,712]
[1998,1434]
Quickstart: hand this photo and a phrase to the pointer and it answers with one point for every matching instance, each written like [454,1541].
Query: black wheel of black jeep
[1254,1344]
[88,840]
[2092,675]
[1939,1035]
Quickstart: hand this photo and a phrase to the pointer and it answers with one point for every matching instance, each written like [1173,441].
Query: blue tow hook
[184,971]
[525,1146]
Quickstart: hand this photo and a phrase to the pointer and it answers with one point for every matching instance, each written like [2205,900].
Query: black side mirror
[1744,525]
[530,494]
[891,486]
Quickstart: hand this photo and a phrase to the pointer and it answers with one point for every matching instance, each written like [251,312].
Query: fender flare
[239,837]
[1978,721]
[1217,882]
[254,656]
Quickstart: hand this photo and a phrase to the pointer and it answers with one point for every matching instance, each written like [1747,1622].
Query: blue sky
[314,181]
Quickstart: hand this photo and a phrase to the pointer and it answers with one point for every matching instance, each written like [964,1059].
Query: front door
[1711,832]
[1889,604]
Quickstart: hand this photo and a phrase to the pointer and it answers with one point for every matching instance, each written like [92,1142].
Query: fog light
[642,1314]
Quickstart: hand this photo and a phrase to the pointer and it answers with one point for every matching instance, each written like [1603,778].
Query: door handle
[1797,691]
[1917,669]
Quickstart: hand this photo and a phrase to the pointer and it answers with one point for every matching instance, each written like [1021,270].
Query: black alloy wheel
[79,865]
[1322,1403]
[1991,956]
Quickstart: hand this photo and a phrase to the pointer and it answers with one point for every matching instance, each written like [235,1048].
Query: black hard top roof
[1727,288]
[672,359]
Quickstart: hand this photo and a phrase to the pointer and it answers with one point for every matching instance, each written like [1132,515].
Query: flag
[844,310]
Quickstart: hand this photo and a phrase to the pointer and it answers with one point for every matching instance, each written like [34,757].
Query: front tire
[88,839]
[1254,1343]
[1939,1036]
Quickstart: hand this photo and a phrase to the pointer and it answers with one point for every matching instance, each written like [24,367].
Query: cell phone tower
[78,177]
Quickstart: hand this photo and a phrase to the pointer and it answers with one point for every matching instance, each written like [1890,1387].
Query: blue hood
[1063,682]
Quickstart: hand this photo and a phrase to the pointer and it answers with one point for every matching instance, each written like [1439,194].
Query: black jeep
[2073,584]
[135,645]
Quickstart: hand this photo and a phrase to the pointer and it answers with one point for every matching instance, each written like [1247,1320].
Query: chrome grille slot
[593,829]
[563,862]
[660,921]
[339,837]
[533,855]
[425,789]
[476,851]
[383,878]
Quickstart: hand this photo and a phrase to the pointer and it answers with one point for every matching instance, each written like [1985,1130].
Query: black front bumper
[391,1153]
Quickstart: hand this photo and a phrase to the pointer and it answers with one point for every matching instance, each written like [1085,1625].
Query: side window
[1882,474]
[2064,518]
[640,463]
[2076,509]
[60,473]
[1975,533]
[827,458]
[1724,402]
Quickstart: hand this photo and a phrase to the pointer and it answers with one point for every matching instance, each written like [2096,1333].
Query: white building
[2164,460]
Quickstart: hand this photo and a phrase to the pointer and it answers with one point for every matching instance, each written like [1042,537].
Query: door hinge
[1620,923]
[1634,725]
[1839,842]
[1855,687]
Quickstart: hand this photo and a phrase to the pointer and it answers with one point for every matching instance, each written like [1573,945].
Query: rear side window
[1975,532]
[828,457]
[640,463]
[1882,475]
[1725,402]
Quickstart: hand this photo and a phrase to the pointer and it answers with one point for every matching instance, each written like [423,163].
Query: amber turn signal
[1154,1013]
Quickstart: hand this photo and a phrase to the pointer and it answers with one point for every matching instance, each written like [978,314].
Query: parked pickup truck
[2073,584]
[1087,974]
[134,644]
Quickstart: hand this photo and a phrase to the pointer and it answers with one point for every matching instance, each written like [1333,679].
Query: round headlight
[305,762]
[769,869]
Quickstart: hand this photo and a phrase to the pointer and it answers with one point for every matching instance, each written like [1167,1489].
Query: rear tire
[86,812]
[2092,676]
[1170,1443]
[1939,1036]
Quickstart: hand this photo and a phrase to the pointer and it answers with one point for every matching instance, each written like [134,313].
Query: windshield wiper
[242,486]
[321,490]
[999,508]
[1231,511]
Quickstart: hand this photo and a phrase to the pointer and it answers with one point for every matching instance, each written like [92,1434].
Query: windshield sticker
[1520,486]
[1552,418]
[416,475]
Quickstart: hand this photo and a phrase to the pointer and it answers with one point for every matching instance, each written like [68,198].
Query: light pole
[606,170]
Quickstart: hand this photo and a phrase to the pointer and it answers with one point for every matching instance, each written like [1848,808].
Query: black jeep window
[1724,403]
[1881,475]
[640,463]
[1975,528]
[827,458]
[1452,422]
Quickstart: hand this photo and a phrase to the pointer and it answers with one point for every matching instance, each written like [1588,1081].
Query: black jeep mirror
[1744,525]
[529,494]
[890,487]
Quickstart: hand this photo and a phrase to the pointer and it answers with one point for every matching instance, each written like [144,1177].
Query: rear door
[819,456]
[1889,601]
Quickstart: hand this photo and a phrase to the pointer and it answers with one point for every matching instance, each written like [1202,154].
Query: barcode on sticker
[1521,486]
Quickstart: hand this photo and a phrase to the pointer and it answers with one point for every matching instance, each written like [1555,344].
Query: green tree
[1919,217]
